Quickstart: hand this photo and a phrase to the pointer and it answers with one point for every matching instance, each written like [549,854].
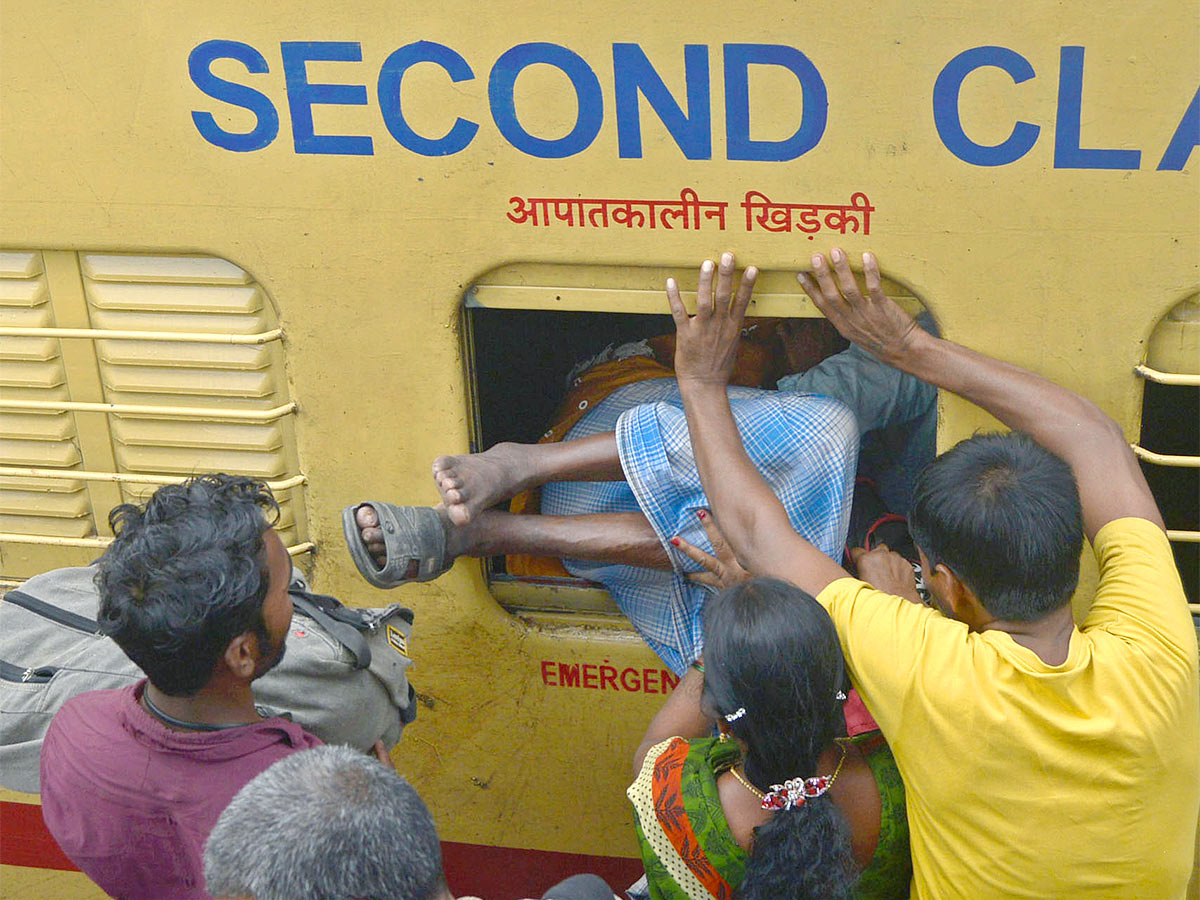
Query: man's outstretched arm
[749,514]
[1111,484]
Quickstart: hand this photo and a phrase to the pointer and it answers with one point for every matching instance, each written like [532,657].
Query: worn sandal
[410,534]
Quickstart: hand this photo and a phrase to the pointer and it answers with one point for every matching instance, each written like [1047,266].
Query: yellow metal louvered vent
[33,370]
[129,372]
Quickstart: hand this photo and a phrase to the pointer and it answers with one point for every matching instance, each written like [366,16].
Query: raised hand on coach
[706,344]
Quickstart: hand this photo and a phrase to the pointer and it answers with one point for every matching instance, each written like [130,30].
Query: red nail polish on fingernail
[702,514]
[675,541]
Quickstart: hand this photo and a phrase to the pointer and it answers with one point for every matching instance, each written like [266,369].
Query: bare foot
[459,541]
[473,482]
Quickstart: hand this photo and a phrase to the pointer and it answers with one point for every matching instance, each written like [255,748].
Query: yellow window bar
[101,543]
[567,298]
[1167,377]
[125,477]
[102,334]
[1163,459]
[134,409]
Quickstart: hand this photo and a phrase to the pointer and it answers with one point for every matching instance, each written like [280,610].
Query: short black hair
[1003,513]
[185,575]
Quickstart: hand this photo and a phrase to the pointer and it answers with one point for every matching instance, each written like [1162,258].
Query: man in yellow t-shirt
[1040,759]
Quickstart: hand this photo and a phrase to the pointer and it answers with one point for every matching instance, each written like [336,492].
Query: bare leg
[618,538]
[473,482]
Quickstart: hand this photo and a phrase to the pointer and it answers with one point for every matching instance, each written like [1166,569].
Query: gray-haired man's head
[326,822]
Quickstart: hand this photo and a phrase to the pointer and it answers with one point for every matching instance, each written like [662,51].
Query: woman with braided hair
[780,806]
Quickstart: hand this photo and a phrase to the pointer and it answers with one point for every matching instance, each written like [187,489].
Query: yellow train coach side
[324,243]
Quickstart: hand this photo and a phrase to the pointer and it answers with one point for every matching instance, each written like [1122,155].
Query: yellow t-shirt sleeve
[885,639]
[1140,596]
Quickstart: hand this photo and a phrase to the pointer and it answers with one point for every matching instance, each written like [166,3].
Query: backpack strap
[336,625]
[343,624]
[49,611]
[334,608]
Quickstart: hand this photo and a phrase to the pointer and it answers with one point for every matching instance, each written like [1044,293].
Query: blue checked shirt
[805,446]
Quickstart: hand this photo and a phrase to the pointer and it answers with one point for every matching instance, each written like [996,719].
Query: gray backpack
[343,677]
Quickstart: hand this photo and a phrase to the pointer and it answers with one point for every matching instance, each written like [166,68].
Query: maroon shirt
[131,802]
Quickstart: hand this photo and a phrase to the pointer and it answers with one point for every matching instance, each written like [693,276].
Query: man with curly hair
[194,589]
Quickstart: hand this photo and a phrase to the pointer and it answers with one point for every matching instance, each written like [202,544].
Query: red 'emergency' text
[603,677]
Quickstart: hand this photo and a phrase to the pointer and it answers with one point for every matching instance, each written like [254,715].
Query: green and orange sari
[688,849]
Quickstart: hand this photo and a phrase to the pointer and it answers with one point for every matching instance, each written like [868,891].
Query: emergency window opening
[524,356]
[1170,430]
[528,330]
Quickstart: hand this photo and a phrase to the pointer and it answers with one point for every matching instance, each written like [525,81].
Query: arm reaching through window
[748,513]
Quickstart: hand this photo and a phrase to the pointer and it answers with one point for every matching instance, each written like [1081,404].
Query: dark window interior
[1171,425]
[522,357]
